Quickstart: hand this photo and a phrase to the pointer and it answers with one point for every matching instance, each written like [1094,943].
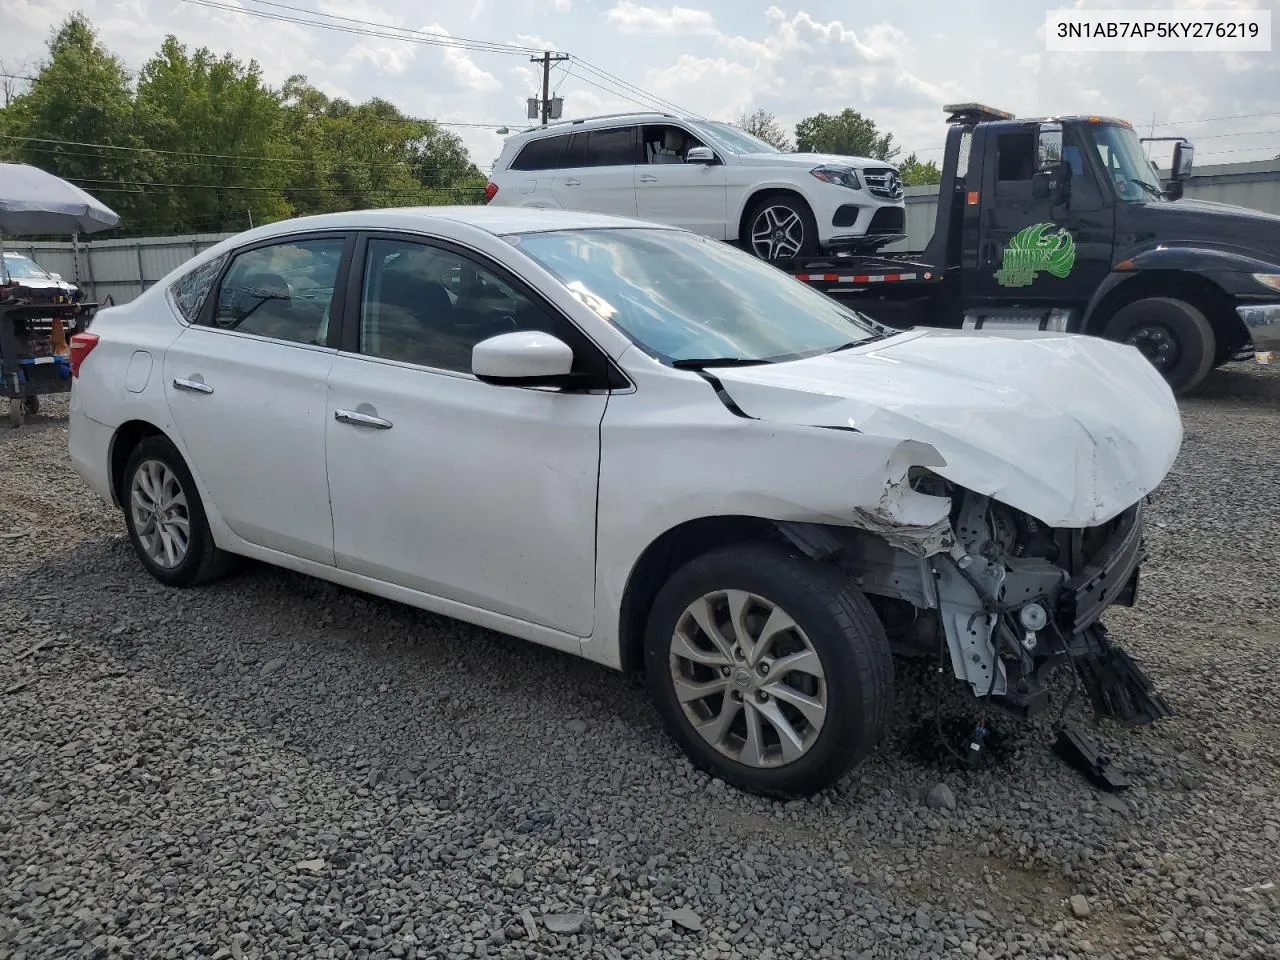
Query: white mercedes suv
[709,177]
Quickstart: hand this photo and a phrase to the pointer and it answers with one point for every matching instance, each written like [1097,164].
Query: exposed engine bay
[1005,598]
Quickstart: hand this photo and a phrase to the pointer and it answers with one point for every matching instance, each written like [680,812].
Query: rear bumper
[89,447]
[1262,320]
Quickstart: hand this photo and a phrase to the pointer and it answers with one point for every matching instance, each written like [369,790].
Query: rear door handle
[197,386]
[361,419]
[572,182]
[648,178]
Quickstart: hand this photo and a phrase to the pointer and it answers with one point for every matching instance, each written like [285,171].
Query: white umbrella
[33,201]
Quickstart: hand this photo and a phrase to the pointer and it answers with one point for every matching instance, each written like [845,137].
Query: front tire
[771,671]
[1173,334]
[781,227]
[165,517]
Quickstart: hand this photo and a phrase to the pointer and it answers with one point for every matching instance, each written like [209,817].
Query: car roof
[494,220]
[557,127]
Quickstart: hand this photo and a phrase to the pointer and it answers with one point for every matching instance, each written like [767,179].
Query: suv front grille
[883,182]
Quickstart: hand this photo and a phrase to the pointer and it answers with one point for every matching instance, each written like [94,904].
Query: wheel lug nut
[763,669]
[761,696]
[737,695]
[738,654]
[725,671]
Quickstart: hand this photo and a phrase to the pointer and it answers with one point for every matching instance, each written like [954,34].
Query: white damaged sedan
[646,448]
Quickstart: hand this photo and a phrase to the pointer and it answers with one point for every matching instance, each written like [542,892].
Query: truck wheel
[33,404]
[781,227]
[771,671]
[17,412]
[1172,334]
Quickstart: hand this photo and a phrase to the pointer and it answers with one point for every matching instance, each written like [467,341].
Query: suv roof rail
[602,116]
[974,113]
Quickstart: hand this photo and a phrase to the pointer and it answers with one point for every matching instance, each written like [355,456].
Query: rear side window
[612,148]
[540,154]
[190,289]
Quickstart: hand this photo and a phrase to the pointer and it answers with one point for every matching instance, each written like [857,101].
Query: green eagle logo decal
[1040,247]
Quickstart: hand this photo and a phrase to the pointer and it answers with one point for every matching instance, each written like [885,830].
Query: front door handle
[572,182]
[197,386]
[361,419]
[648,178]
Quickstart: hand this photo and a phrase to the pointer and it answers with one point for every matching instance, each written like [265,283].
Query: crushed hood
[1069,429]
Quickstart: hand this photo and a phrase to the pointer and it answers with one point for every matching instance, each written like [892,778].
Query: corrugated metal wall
[122,269]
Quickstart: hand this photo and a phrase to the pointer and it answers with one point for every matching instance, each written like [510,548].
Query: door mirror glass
[1183,155]
[529,358]
[700,155]
[1049,146]
[1051,183]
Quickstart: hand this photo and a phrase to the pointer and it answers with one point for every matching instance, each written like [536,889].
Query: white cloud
[633,18]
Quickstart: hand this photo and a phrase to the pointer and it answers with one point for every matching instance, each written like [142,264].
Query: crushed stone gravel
[274,767]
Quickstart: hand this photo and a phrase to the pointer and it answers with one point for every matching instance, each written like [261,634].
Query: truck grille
[883,182]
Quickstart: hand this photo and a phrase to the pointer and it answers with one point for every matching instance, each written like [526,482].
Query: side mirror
[55,276]
[1184,154]
[525,359]
[1052,183]
[1174,190]
[700,155]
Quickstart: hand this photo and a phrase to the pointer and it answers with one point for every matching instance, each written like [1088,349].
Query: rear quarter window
[188,292]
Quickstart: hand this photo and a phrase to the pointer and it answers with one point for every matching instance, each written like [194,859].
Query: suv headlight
[840,176]
[1271,280]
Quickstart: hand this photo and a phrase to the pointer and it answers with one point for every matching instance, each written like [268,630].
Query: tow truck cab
[1062,223]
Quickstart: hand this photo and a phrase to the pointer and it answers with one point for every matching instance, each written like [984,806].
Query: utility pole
[547,59]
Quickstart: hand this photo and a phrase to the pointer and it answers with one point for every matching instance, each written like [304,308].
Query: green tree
[199,113]
[763,124]
[80,95]
[914,173]
[848,133]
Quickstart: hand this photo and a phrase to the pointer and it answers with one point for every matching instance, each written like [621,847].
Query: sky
[897,63]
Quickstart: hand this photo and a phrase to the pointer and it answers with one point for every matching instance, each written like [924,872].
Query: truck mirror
[1051,183]
[1184,154]
[1049,146]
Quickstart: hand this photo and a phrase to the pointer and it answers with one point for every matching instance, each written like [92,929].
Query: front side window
[283,291]
[684,297]
[430,306]
[1127,166]
[664,143]
[190,289]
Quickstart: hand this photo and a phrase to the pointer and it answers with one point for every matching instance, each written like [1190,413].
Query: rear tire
[1173,334]
[781,729]
[17,412]
[165,517]
[780,227]
[32,404]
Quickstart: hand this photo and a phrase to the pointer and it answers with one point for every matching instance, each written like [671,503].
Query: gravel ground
[274,767]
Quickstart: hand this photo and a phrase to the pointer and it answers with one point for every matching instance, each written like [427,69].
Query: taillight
[82,345]
[490,191]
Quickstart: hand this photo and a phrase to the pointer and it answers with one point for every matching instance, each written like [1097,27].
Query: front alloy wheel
[770,670]
[748,678]
[777,233]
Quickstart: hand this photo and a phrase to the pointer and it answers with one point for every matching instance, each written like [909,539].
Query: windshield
[19,267]
[679,296]
[734,140]
[1126,163]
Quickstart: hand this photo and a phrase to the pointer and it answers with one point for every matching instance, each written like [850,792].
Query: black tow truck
[1062,224]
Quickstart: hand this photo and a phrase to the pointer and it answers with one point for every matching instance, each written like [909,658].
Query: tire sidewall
[1185,322]
[809,245]
[200,541]
[849,714]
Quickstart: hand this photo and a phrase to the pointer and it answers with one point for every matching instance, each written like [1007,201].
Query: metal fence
[122,269]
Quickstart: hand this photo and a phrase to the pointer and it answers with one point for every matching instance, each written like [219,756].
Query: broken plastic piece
[1076,749]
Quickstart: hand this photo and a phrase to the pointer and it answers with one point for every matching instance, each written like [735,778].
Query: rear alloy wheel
[770,670]
[1172,334]
[780,228]
[165,518]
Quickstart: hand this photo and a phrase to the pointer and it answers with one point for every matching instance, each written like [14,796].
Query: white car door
[246,389]
[669,190]
[479,494]
[597,171]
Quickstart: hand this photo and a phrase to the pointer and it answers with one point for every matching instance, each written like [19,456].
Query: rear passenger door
[528,181]
[597,171]
[246,387]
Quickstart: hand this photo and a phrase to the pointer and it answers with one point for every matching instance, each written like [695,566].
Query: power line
[416,36]
[212,156]
[627,85]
